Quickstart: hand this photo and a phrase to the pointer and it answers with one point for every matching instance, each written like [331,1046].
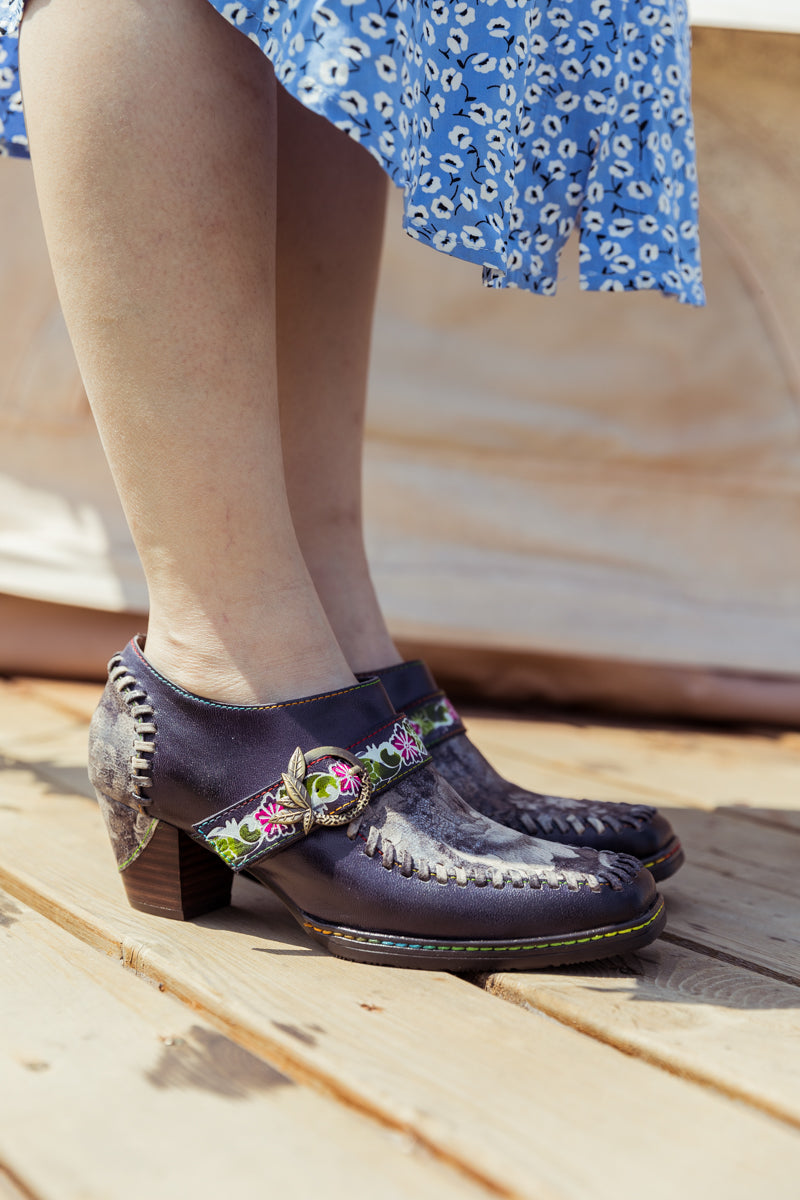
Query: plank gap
[757,816]
[135,957]
[733,960]
[630,1050]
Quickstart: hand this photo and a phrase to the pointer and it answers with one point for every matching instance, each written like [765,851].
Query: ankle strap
[332,788]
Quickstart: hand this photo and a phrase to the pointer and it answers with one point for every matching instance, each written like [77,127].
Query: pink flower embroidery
[346,776]
[269,817]
[406,744]
[451,712]
[415,727]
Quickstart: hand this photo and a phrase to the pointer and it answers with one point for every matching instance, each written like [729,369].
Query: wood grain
[758,773]
[113,1090]
[733,1029]
[485,1085]
[498,1090]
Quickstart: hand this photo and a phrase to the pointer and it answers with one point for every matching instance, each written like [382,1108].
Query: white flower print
[444,241]
[353,102]
[621,227]
[373,25]
[235,13]
[386,68]
[592,221]
[461,136]
[324,17]
[560,17]
[355,49]
[484,63]
[471,236]
[481,114]
[451,164]
[430,183]
[450,79]
[443,208]
[309,90]
[567,102]
[334,72]
[506,123]
[498,27]
[469,199]
[458,41]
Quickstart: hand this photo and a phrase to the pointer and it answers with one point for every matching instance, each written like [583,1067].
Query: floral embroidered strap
[436,719]
[327,786]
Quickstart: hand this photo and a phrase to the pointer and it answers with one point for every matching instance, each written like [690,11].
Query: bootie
[332,802]
[633,829]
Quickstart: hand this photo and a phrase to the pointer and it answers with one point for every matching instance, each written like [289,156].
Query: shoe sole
[666,862]
[523,954]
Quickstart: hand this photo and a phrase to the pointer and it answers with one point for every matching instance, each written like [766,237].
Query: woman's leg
[331,201]
[153,134]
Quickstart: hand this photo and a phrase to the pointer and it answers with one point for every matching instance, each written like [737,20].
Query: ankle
[259,669]
[345,588]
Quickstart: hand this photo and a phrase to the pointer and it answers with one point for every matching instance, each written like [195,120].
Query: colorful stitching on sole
[655,862]
[596,937]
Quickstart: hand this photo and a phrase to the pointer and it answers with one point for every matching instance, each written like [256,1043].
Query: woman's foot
[635,829]
[332,802]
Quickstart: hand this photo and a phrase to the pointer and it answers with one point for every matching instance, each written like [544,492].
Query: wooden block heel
[163,870]
[174,877]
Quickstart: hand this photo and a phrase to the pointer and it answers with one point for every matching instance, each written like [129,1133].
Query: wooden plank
[113,1090]
[719,900]
[49,738]
[502,1092]
[67,696]
[742,851]
[713,1022]
[747,923]
[755,774]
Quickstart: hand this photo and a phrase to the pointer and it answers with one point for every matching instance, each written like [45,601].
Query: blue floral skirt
[506,122]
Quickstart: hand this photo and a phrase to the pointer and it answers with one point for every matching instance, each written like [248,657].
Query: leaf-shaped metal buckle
[297,806]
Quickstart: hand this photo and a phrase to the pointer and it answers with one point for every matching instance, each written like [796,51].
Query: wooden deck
[231,1053]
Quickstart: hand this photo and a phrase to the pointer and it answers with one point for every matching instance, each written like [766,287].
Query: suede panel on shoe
[198,767]
[415,862]
[635,829]
[333,875]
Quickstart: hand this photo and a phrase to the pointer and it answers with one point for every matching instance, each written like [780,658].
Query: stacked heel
[163,870]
